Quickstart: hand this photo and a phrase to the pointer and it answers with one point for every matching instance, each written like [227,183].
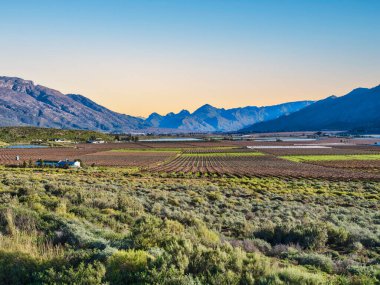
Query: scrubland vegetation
[120,226]
[29,134]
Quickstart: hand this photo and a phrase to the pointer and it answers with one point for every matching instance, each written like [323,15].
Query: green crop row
[331,157]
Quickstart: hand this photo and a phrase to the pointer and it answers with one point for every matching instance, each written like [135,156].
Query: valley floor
[322,159]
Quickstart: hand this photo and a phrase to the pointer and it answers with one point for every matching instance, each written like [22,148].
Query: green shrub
[319,261]
[310,236]
[128,267]
[91,274]
[171,276]
[297,276]
[361,280]
[17,268]
[77,234]
[249,245]
[146,232]
[337,236]
[207,236]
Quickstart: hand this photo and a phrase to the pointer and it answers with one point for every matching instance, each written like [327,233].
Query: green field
[301,158]
[222,154]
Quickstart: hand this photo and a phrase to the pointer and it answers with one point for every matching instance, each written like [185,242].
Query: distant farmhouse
[96,141]
[59,164]
[59,140]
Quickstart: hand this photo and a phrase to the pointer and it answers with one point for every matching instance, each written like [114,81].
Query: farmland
[332,157]
[225,158]
[192,213]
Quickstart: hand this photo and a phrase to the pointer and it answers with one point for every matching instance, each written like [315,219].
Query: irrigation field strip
[330,157]
[211,160]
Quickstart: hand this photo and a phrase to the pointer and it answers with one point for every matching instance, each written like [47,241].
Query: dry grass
[27,241]
[30,243]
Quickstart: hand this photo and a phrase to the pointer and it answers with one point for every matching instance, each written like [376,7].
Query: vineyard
[242,162]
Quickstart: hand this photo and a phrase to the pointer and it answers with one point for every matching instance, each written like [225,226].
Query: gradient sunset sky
[137,57]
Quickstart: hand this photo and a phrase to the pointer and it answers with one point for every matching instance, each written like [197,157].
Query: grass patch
[30,243]
[331,157]
[3,144]
[223,154]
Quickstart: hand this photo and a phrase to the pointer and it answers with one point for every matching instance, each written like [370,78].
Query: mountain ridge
[208,118]
[358,109]
[22,103]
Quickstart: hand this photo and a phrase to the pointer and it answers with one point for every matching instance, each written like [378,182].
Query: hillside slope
[24,104]
[358,110]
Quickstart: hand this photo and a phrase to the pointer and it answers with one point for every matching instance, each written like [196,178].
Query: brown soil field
[216,150]
[239,165]
[367,165]
[265,165]
[321,151]
[97,155]
[80,151]
[136,159]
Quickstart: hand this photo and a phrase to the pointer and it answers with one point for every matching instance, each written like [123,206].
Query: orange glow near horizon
[143,96]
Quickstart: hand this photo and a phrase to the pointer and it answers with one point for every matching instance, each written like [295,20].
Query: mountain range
[210,119]
[359,110]
[22,103]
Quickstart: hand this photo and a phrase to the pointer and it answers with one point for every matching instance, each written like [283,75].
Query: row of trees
[127,138]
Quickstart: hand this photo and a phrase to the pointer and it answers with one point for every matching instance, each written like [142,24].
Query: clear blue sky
[139,56]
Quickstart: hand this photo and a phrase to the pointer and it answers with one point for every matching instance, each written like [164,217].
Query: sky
[138,57]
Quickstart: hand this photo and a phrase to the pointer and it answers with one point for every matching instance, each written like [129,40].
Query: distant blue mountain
[358,110]
[210,119]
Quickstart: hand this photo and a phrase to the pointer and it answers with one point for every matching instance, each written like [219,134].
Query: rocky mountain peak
[16,84]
